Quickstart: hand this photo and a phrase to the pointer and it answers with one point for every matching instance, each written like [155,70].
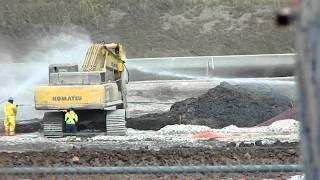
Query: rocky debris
[75,159]
[243,105]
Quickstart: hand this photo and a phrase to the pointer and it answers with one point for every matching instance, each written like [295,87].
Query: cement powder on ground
[183,129]
[287,125]
[169,136]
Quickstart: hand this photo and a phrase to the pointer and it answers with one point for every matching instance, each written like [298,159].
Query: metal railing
[153,169]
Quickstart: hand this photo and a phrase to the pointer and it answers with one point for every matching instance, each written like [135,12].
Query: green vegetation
[155,28]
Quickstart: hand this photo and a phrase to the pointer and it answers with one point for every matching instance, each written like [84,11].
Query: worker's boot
[12,133]
[6,132]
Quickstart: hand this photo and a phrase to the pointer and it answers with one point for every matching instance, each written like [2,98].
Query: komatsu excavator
[97,92]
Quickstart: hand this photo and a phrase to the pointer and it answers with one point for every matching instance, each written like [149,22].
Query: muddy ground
[282,153]
[278,153]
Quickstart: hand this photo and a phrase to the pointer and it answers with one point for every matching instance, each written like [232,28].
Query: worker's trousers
[71,128]
[10,125]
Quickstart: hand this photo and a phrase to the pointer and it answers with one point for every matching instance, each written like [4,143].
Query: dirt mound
[242,105]
[288,114]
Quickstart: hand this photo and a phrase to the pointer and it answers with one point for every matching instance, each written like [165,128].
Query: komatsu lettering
[66,98]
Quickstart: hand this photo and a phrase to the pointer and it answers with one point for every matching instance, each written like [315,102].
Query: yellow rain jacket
[10,112]
[10,109]
[71,117]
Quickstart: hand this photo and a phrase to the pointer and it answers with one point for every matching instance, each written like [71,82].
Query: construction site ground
[278,153]
[171,145]
[276,143]
[49,32]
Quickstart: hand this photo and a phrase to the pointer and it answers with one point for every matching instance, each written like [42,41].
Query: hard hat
[10,98]
[71,107]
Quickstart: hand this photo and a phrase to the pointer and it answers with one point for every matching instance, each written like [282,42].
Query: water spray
[271,80]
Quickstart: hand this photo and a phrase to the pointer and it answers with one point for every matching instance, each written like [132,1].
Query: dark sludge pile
[243,105]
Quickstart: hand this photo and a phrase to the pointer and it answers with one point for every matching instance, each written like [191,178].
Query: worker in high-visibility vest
[10,112]
[71,118]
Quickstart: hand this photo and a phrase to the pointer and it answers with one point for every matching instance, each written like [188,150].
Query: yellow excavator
[97,92]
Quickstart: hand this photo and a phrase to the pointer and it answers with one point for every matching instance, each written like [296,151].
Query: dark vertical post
[308,76]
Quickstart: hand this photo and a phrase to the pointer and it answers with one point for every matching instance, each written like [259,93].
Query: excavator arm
[100,57]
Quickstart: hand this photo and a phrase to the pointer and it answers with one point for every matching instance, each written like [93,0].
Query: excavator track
[52,124]
[116,122]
